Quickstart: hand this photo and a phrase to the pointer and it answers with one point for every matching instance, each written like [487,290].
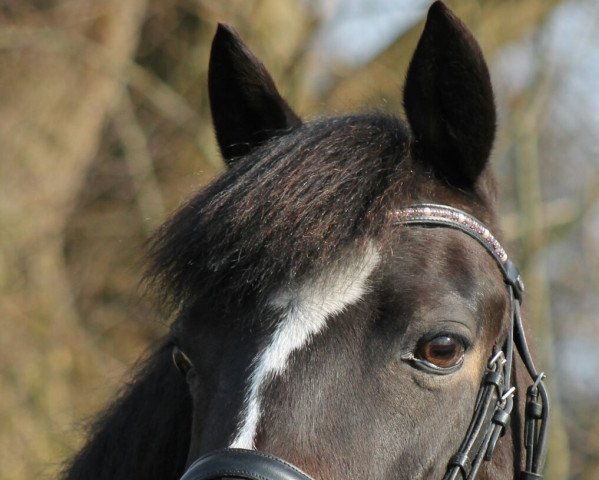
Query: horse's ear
[246,107]
[448,100]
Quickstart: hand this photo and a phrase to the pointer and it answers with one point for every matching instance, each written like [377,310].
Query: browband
[443,216]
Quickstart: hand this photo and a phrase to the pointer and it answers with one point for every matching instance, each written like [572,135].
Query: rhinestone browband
[452,217]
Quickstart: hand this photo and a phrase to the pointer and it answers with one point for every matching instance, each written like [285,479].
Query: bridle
[495,400]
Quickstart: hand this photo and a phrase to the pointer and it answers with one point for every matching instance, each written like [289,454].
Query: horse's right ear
[246,107]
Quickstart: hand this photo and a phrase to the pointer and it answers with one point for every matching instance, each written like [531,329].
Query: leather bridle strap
[495,399]
[491,416]
[536,410]
[245,464]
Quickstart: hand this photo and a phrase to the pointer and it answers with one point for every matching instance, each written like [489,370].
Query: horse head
[324,316]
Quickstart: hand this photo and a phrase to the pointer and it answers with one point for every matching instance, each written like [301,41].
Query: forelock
[284,210]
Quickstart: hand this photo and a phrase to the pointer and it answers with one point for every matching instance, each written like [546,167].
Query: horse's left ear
[246,107]
[449,100]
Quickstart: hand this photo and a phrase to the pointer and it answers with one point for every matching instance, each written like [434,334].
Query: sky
[356,30]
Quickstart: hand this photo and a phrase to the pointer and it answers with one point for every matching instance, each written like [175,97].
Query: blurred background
[105,129]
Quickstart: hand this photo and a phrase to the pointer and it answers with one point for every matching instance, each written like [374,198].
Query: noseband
[494,403]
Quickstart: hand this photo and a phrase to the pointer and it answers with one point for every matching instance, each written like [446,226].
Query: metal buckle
[507,394]
[498,357]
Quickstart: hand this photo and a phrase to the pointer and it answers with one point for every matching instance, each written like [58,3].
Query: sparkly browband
[431,214]
[452,217]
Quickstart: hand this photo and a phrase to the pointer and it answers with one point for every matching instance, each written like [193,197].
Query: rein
[494,403]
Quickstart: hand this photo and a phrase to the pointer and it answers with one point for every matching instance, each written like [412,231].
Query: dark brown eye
[181,361]
[442,351]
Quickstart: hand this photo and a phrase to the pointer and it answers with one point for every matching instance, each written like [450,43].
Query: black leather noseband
[240,463]
[494,402]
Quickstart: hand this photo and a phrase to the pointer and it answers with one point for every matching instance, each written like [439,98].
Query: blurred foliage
[105,128]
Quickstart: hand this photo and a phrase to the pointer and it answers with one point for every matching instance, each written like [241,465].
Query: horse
[344,308]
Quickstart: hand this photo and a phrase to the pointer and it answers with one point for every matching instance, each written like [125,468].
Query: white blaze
[305,312]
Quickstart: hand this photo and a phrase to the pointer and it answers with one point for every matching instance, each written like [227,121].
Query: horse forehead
[332,288]
[436,267]
[304,311]
[439,252]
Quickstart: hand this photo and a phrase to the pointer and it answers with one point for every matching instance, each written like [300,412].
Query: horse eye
[181,361]
[443,351]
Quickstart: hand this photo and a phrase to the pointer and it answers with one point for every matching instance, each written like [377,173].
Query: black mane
[282,210]
[150,419]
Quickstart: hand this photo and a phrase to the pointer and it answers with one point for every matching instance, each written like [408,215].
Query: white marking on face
[305,312]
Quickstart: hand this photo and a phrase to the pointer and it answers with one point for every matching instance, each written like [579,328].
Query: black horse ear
[246,107]
[448,100]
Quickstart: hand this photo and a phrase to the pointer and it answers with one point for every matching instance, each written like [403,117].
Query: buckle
[498,358]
